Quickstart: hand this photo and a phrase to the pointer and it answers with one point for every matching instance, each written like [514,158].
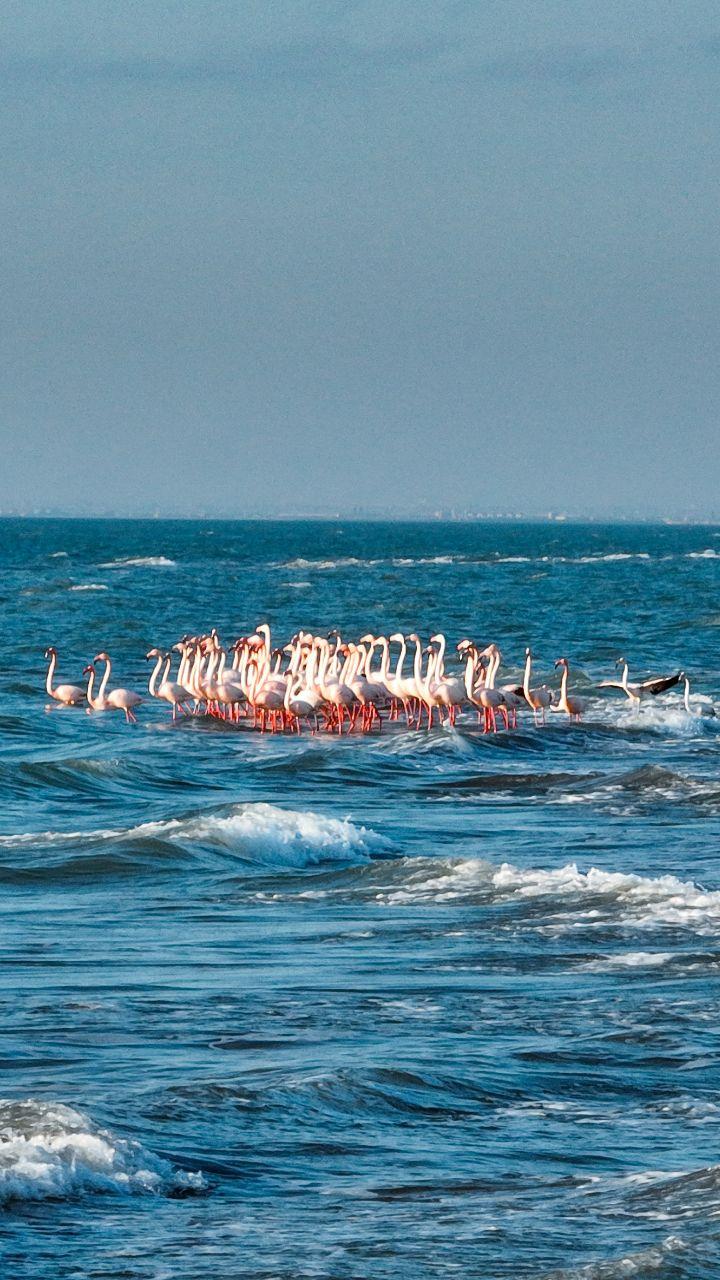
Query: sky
[276,256]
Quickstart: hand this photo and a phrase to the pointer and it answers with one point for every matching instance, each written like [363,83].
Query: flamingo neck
[153,678]
[92,702]
[106,677]
[526,676]
[401,658]
[50,674]
[470,674]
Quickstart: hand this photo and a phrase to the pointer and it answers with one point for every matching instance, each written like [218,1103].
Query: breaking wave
[49,1152]
[261,833]
[139,562]
[566,897]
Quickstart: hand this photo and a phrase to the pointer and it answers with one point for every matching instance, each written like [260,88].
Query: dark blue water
[410,1006]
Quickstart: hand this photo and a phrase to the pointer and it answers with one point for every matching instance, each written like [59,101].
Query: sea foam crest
[570,897]
[50,1151]
[255,832]
[280,837]
[138,562]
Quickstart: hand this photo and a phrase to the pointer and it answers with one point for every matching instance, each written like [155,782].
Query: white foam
[139,562]
[342,562]
[628,960]
[709,553]
[280,837]
[58,555]
[574,898]
[50,1151]
[91,586]
[256,832]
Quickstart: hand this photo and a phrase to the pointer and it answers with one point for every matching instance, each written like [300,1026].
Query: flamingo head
[561,662]
[154,653]
[89,668]
[397,636]
[101,657]
[51,652]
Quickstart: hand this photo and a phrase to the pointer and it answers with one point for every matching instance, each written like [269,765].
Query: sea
[387,1007]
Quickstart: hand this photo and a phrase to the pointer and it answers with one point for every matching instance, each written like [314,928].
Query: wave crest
[138,562]
[49,1151]
[565,897]
[281,837]
[256,833]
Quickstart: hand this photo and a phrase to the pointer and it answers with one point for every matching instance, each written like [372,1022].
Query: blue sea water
[408,1006]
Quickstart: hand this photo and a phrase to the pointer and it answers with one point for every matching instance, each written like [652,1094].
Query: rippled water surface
[412,1006]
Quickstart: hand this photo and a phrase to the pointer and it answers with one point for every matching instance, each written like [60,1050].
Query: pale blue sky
[263,256]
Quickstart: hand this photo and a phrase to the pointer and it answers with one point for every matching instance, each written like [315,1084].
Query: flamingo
[568,702]
[490,698]
[68,694]
[538,699]
[705,710]
[449,690]
[169,690]
[636,691]
[99,702]
[121,699]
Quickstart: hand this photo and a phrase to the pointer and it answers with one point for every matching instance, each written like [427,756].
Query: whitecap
[565,897]
[90,586]
[627,960]
[50,1151]
[58,555]
[710,553]
[139,562]
[280,837]
[341,563]
[255,832]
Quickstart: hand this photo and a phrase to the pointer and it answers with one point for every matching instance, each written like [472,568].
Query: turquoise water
[415,1005]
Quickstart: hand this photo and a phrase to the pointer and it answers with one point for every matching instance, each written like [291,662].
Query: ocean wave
[350,562]
[564,897]
[139,562]
[709,553]
[670,1252]
[628,960]
[341,562]
[278,837]
[58,555]
[90,586]
[49,1151]
[261,833]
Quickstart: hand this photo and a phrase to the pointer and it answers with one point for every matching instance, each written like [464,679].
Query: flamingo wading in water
[68,694]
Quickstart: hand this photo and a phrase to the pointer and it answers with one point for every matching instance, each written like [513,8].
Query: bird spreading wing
[658,684]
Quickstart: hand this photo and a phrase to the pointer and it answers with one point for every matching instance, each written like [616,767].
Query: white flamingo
[121,699]
[539,699]
[568,702]
[68,694]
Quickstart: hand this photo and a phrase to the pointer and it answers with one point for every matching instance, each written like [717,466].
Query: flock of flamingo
[335,685]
